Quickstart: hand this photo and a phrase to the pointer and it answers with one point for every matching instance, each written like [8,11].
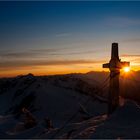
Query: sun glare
[126,69]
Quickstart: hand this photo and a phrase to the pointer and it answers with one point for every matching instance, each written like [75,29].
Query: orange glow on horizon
[54,70]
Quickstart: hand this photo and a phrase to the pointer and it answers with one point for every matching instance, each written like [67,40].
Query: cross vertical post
[114,66]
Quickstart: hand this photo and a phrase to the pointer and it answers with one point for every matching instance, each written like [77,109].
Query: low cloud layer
[25,63]
[130,55]
[39,53]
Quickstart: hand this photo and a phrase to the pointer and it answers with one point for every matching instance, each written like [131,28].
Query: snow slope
[123,124]
[72,103]
[53,97]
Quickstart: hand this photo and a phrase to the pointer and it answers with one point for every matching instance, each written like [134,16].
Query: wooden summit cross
[114,66]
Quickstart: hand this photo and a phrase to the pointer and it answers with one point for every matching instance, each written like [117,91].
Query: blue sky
[77,33]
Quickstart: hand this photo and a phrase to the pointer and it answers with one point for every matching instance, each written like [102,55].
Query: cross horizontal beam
[118,65]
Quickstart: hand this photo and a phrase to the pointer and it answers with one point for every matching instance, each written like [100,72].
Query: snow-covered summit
[63,106]
[122,124]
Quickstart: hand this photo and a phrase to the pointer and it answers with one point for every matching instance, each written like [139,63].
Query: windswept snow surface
[124,123]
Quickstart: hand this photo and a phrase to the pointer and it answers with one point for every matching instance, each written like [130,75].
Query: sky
[66,37]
